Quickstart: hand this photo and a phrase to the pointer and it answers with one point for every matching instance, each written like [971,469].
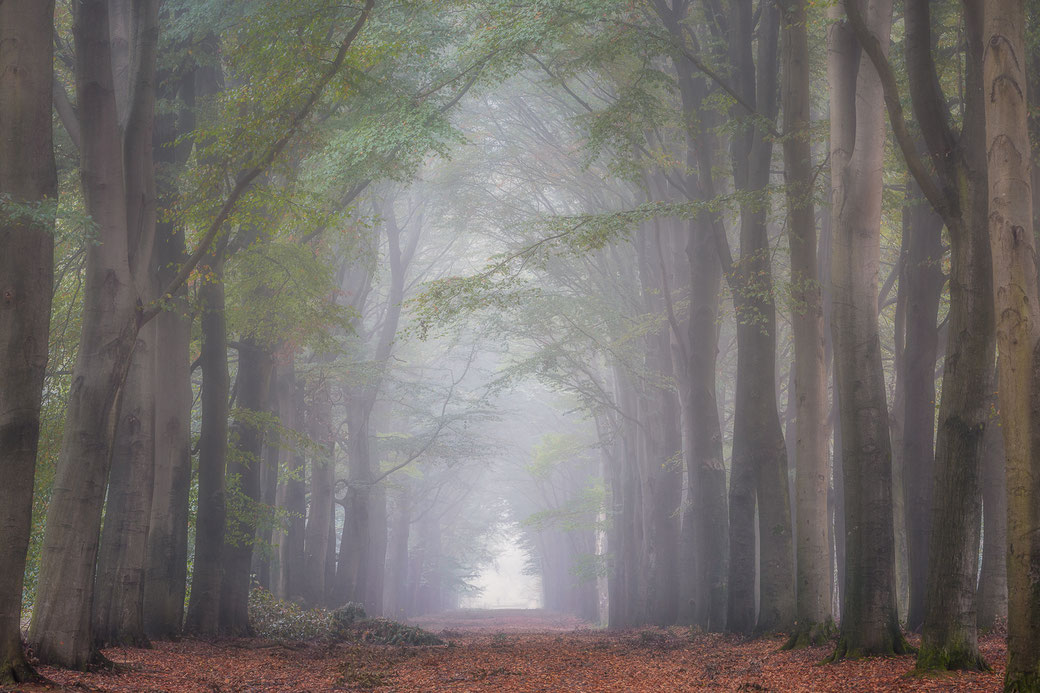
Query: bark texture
[1018,326]
[814,618]
[869,623]
[27,177]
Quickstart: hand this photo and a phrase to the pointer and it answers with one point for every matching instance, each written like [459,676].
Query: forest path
[513,650]
[499,620]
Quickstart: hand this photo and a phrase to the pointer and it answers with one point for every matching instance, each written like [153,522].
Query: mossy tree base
[856,647]
[14,669]
[811,635]
[1022,682]
[932,659]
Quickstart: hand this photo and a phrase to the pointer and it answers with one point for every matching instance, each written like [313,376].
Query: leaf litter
[512,650]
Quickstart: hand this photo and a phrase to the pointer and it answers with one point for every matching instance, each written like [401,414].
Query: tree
[28,189]
[949,638]
[814,621]
[869,623]
[118,179]
[1018,325]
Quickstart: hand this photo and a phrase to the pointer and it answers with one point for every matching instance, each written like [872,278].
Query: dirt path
[513,651]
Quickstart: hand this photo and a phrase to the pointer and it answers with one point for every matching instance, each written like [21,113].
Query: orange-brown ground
[513,651]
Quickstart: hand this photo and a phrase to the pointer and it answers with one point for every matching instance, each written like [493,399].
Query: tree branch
[872,46]
[246,180]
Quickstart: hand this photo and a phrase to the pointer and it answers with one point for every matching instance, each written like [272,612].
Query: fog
[709,315]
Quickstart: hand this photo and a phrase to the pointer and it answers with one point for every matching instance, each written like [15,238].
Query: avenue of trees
[729,309]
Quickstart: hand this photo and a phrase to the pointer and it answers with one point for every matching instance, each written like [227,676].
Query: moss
[810,635]
[1022,681]
[964,658]
[849,648]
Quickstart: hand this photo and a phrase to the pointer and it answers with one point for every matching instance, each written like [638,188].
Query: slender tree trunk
[204,604]
[376,568]
[265,559]
[397,569]
[870,622]
[922,282]
[27,175]
[243,471]
[291,549]
[706,521]
[759,464]
[166,568]
[355,543]
[814,574]
[319,516]
[992,596]
[1018,326]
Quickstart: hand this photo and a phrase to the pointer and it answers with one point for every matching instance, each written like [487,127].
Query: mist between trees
[726,310]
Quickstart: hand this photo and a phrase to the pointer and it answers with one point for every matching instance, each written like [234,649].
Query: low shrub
[276,619]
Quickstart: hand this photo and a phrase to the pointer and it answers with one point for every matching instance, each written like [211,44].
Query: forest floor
[513,650]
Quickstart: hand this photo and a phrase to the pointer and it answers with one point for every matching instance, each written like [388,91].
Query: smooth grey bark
[869,622]
[28,177]
[119,583]
[166,567]
[397,563]
[758,477]
[704,552]
[1018,325]
[992,595]
[814,618]
[118,183]
[294,489]
[252,386]
[959,194]
[319,514]
[265,558]
[923,281]
[204,604]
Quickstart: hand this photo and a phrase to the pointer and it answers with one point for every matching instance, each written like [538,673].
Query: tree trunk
[166,569]
[397,571]
[992,596]
[376,568]
[870,623]
[319,516]
[814,574]
[355,541]
[922,281]
[119,585]
[291,548]
[204,604]
[265,559]
[243,471]
[27,175]
[60,632]
[759,464]
[1018,326]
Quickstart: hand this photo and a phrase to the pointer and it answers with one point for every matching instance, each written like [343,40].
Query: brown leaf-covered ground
[513,651]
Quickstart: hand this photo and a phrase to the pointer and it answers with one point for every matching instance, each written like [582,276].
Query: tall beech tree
[869,623]
[959,195]
[28,189]
[1018,325]
[812,463]
[758,476]
[118,180]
